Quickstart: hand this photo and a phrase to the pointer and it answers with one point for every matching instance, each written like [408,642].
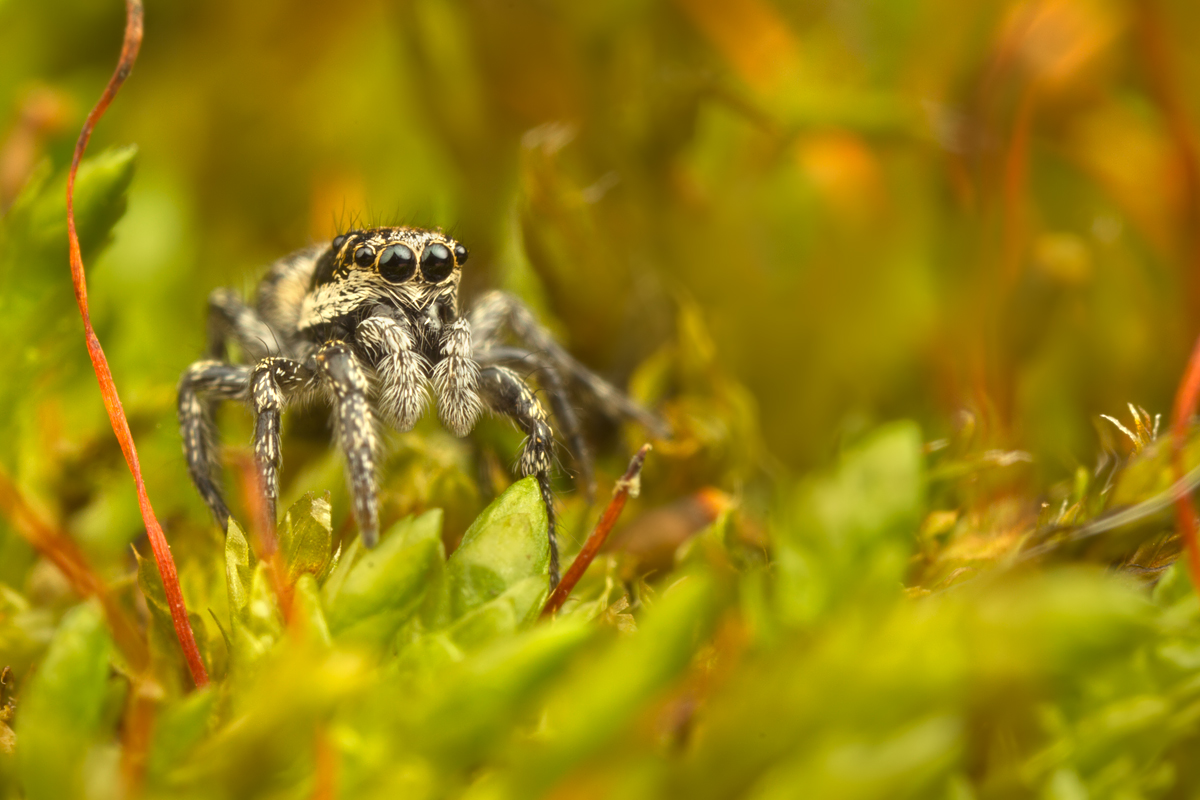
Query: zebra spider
[370,323]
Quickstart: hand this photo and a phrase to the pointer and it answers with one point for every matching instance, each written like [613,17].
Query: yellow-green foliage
[880,263]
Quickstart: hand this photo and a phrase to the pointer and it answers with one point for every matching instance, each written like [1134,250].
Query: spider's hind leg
[505,393]
[560,404]
[497,310]
[203,383]
[229,318]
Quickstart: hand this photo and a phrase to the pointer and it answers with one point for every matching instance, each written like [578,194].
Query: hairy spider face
[397,255]
[405,268]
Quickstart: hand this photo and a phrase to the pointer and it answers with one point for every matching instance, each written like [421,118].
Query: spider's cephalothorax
[370,322]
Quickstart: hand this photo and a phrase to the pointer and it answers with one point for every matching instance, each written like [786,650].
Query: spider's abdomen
[280,296]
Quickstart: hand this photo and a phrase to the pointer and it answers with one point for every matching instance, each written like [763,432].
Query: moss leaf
[505,545]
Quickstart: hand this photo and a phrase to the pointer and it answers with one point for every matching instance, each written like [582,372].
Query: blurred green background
[976,215]
[882,208]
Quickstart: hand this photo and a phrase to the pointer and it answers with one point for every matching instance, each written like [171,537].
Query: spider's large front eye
[364,256]
[396,263]
[436,263]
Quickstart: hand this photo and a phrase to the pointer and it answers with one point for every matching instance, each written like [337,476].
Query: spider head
[414,257]
[410,268]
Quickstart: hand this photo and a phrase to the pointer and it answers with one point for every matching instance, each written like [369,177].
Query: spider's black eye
[396,263]
[364,256]
[337,243]
[436,263]
[460,254]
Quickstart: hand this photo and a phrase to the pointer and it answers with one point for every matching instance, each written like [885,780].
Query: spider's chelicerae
[370,322]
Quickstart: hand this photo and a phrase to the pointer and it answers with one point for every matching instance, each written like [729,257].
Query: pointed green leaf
[383,587]
[517,607]
[239,567]
[254,619]
[61,711]
[504,546]
[306,536]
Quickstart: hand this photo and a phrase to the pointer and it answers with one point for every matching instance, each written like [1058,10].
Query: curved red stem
[108,387]
[1185,511]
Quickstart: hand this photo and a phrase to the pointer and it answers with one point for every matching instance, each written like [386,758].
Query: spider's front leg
[560,404]
[203,384]
[505,393]
[496,311]
[339,369]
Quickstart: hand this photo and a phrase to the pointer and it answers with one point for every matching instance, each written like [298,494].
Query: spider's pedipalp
[456,379]
[505,393]
[203,383]
[497,310]
[401,370]
[341,372]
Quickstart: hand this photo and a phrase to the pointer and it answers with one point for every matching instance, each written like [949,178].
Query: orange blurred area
[751,35]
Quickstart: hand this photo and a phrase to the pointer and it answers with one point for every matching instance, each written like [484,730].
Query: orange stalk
[108,387]
[263,532]
[626,485]
[325,781]
[1186,399]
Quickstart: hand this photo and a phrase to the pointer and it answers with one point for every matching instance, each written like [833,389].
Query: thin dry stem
[625,486]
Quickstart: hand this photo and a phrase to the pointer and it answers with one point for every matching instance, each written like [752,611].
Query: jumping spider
[370,323]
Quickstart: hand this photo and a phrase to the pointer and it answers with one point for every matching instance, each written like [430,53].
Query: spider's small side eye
[364,256]
[397,263]
[337,243]
[436,263]
[460,254]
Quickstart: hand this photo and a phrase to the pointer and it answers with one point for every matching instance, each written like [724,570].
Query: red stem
[1185,512]
[326,777]
[108,387]
[263,533]
[604,527]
